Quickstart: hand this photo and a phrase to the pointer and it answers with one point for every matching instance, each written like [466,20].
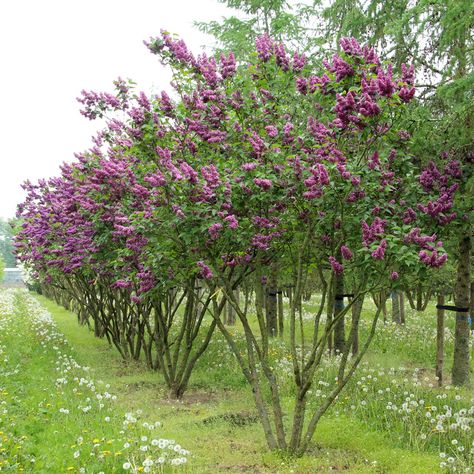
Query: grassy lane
[218,425]
[56,415]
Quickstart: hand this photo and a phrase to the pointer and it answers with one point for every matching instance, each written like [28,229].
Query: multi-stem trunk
[281,313]
[461,364]
[339,329]
[440,340]
[271,302]
[396,315]
[402,307]
[356,313]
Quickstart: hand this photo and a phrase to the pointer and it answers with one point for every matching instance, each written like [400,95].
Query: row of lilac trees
[247,169]
[437,38]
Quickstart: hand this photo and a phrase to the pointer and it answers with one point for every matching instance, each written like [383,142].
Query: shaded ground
[219,426]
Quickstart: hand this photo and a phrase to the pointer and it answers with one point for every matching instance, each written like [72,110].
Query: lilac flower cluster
[129,199]
[435,181]
[370,233]
[267,48]
[336,266]
[379,252]
[346,253]
[205,271]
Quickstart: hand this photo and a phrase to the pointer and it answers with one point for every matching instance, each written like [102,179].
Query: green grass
[216,419]
[341,444]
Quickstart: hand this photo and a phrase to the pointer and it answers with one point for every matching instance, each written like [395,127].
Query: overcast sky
[52,49]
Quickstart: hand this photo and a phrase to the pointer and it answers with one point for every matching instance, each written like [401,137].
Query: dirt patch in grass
[243,418]
[192,397]
[240,468]
[328,459]
[126,368]
[142,384]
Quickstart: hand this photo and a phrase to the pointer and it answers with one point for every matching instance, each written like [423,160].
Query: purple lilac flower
[337,267]
[408,74]
[299,61]
[205,272]
[346,253]
[302,85]
[340,67]
[264,46]
[214,230]
[263,183]
[406,94]
[228,65]
[211,176]
[433,259]
[271,130]
[257,143]
[282,59]
[351,46]
[385,82]
[232,221]
[379,252]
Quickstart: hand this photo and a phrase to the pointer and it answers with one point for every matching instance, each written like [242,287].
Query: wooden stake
[440,341]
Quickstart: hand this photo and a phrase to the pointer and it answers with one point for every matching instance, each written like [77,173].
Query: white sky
[52,49]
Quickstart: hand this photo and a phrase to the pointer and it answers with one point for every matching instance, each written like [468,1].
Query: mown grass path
[68,403]
[217,425]
[55,415]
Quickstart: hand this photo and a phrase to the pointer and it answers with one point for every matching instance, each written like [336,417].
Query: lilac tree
[306,170]
[251,168]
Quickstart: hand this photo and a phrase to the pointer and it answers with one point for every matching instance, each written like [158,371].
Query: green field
[68,403]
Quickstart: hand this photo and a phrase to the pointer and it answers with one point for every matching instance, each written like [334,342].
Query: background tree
[289,22]
[6,243]
[437,37]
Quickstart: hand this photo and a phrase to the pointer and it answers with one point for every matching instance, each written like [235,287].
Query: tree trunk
[402,307]
[280,313]
[419,298]
[410,299]
[230,312]
[271,303]
[225,311]
[461,370]
[396,317]
[199,294]
[237,299]
[356,311]
[472,306]
[329,311]
[339,327]
[440,341]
